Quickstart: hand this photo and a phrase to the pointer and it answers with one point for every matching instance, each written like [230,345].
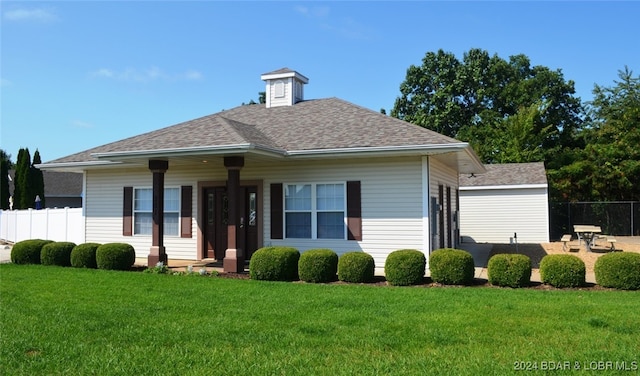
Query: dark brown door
[217,219]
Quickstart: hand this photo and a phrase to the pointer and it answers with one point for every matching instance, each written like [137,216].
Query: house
[61,189]
[506,202]
[302,173]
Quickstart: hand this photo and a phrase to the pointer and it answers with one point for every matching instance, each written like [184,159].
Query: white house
[302,173]
[508,201]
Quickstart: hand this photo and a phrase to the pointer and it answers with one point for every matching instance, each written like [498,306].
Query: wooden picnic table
[588,234]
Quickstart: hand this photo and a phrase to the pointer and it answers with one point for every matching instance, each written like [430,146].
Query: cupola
[284,87]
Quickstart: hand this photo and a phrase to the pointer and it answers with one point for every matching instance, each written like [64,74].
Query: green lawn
[77,322]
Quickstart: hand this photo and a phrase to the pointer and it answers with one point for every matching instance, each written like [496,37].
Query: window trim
[178,211]
[314,209]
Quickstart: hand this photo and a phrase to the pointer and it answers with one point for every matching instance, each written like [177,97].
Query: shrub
[450,266]
[27,251]
[84,255]
[318,265]
[618,270]
[274,264]
[356,267]
[562,270]
[405,267]
[512,270]
[115,256]
[56,253]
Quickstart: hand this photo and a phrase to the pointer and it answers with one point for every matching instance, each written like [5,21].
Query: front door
[216,219]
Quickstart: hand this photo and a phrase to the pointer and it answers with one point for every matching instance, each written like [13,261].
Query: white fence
[50,224]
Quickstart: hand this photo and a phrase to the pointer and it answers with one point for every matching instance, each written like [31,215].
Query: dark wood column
[157,252]
[233,261]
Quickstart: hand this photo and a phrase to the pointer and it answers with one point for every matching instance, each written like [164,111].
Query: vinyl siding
[494,215]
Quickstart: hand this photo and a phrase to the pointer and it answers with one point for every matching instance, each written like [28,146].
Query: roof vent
[284,87]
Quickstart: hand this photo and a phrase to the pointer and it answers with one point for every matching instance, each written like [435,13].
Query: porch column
[233,261]
[157,252]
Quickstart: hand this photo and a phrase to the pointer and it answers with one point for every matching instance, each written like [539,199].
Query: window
[143,211]
[314,211]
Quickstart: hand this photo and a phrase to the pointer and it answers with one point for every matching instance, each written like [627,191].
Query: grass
[75,322]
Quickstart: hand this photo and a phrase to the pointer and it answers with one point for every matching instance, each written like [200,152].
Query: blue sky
[75,75]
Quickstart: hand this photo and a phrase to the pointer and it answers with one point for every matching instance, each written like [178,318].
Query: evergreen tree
[5,165]
[22,197]
[37,179]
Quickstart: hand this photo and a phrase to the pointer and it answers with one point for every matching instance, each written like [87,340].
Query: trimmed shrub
[562,271]
[84,255]
[405,267]
[511,270]
[356,267]
[115,256]
[318,265]
[57,253]
[274,264]
[450,266]
[27,251]
[618,270]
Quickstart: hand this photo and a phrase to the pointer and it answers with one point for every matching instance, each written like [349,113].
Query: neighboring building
[61,189]
[508,199]
[304,173]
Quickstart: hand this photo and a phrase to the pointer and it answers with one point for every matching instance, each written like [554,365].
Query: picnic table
[588,234]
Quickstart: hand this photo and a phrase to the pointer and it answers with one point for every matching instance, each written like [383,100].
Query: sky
[79,74]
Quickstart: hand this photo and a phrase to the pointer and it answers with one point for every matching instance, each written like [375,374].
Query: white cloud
[4,82]
[38,14]
[150,74]
[314,12]
[345,27]
[81,124]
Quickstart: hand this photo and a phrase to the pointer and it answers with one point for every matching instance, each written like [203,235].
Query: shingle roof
[309,125]
[507,174]
[57,184]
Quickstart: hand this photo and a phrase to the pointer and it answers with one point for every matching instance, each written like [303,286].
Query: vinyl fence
[50,224]
[614,217]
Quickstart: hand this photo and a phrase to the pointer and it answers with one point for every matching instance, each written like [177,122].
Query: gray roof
[507,174]
[322,124]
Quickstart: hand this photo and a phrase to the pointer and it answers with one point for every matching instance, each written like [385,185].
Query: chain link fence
[620,218]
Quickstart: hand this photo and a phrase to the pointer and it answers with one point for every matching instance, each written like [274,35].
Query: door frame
[201,209]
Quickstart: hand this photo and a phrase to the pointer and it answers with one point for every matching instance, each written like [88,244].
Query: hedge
[562,271]
[56,253]
[27,251]
[115,256]
[405,267]
[274,264]
[84,255]
[510,270]
[356,267]
[318,266]
[618,270]
[450,266]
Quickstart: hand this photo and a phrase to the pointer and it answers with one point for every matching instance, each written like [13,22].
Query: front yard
[76,321]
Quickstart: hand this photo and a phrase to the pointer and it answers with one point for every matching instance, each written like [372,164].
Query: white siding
[494,215]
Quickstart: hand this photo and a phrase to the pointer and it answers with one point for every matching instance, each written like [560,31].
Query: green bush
[84,255]
[274,264]
[618,270]
[115,256]
[318,265]
[356,267]
[56,253]
[405,267]
[512,270]
[562,271]
[450,266]
[27,251]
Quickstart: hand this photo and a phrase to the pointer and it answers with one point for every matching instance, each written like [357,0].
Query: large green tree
[608,168]
[5,166]
[487,100]
[37,179]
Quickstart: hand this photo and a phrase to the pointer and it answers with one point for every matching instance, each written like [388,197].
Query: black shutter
[127,212]
[354,211]
[186,192]
[276,211]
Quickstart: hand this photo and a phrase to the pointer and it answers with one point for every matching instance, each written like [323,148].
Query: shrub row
[111,256]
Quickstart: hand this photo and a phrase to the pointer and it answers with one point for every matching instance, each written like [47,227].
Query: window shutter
[354,211]
[276,211]
[127,212]
[186,211]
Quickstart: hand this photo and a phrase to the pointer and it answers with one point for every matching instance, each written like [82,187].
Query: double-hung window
[143,211]
[315,211]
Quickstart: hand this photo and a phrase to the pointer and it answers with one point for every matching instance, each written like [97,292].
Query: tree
[479,97]
[22,195]
[608,168]
[5,166]
[37,179]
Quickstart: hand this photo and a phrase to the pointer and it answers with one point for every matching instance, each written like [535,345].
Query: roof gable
[504,174]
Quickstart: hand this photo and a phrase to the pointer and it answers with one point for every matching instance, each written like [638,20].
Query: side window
[143,211]
[315,211]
